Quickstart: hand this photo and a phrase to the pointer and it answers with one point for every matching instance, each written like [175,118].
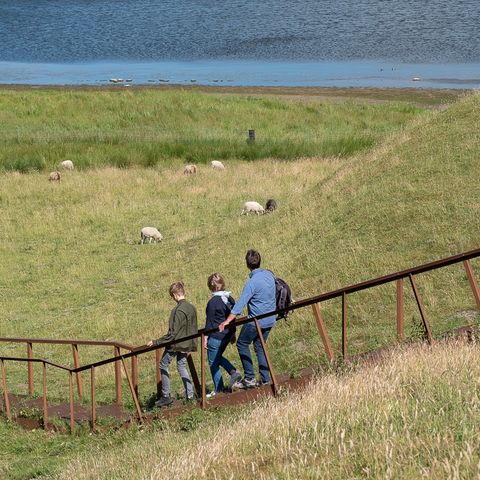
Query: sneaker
[192,399]
[211,395]
[245,384]
[164,401]
[235,377]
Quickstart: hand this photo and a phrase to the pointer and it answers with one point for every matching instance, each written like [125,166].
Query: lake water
[271,42]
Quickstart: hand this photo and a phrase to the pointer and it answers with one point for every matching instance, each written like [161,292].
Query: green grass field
[72,265]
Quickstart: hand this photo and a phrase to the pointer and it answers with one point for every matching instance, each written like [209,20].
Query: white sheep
[190,170]
[150,233]
[217,165]
[252,207]
[54,176]
[67,165]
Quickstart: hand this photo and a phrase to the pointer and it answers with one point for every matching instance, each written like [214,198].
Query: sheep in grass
[67,165]
[270,206]
[252,207]
[150,233]
[217,165]
[54,176]
[190,170]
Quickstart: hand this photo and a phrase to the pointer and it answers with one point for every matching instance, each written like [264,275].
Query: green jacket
[182,322]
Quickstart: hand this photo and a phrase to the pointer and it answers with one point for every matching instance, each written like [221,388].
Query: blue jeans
[215,349]
[249,335]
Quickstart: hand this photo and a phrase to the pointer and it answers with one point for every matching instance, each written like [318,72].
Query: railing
[119,359]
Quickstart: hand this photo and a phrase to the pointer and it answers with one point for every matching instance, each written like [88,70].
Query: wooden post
[31,388]
[118,377]
[251,136]
[323,332]
[6,398]
[133,392]
[203,402]
[45,408]
[72,411]
[344,326]
[135,373]
[158,375]
[428,331]
[94,401]
[400,311]
[193,373]
[275,386]
[76,363]
[473,282]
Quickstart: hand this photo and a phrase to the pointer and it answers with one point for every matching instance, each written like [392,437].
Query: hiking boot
[164,401]
[235,377]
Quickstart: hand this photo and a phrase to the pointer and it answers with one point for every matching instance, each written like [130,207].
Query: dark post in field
[251,136]
[72,411]
[267,358]
[135,373]
[31,388]
[94,401]
[132,391]
[323,332]
[473,282]
[203,402]
[426,325]
[400,311]
[6,398]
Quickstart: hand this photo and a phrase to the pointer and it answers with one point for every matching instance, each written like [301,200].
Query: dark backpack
[283,296]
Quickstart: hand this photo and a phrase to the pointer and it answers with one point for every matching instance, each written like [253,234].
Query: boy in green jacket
[182,322]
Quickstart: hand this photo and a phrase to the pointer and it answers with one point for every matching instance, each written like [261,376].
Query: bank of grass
[71,265]
[414,416]
[150,127]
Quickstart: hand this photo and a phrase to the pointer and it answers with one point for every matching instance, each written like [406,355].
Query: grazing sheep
[150,233]
[190,170]
[252,207]
[54,176]
[217,165]
[270,206]
[67,165]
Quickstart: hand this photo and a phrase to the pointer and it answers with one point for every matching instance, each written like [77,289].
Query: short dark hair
[176,288]
[253,259]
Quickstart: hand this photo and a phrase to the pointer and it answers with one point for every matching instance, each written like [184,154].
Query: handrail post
[72,408]
[132,391]
[473,282]
[202,362]
[400,311]
[45,407]
[275,386]
[426,325]
[94,401]
[118,377]
[31,387]
[158,376]
[6,398]
[135,373]
[344,326]
[194,375]
[323,332]
[76,363]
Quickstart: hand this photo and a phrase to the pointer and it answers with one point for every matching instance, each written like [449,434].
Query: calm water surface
[303,42]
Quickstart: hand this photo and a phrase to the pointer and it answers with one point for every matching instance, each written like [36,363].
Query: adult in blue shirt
[259,297]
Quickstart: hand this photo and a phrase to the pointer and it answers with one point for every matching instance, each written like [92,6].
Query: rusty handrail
[112,343]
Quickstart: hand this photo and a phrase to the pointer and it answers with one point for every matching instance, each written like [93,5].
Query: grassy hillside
[151,127]
[415,416]
[72,266]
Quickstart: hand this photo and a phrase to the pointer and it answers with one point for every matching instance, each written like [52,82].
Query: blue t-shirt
[259,297]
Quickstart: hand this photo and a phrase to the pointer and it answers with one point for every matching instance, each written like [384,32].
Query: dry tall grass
[414,416]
